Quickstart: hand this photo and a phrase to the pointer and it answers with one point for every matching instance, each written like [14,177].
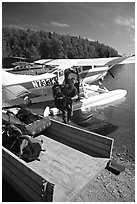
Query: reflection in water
[106,130]
[94,120]
[89,117]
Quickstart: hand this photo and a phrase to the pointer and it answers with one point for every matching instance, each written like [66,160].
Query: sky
[110,23]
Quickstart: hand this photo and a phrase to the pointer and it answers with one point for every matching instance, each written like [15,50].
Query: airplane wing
[68,63]
[63,63]
[42,61]
[128,60]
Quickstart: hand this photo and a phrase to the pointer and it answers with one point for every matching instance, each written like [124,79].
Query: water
[123,115]
[116,120]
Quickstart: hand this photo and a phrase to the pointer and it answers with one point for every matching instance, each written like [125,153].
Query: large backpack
[24,146]
[10,135]
[30,148]
[15,134]
[59,98]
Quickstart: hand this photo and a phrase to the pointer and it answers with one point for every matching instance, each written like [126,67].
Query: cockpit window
[55,73]
[97,66]
[52,70]
[85,68]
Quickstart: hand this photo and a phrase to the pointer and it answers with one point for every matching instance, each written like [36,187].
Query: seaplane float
[38,88]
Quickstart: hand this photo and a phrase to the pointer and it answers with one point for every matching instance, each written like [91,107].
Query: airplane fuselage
[41,87]
[87,74]
[36,85]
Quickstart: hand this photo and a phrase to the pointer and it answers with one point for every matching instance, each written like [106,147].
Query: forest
[35,45]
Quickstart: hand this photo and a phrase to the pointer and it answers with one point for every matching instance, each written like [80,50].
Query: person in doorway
[71,73]
[101,87]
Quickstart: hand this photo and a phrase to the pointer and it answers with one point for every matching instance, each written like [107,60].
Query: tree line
[40,45]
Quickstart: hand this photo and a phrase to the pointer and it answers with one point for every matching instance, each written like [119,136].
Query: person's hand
[74,98]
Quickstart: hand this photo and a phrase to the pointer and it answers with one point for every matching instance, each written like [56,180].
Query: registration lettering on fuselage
[43,82]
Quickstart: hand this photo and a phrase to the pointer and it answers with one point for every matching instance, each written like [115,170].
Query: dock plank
[72,157]
[67,168]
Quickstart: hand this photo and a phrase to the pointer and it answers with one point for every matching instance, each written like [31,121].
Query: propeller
[111,73]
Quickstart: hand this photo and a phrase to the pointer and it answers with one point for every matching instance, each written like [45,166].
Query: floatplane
[55,177]
[39,87]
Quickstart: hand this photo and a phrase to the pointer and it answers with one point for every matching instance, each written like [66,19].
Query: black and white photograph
[68,101]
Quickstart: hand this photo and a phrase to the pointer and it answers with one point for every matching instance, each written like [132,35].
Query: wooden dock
[72,157]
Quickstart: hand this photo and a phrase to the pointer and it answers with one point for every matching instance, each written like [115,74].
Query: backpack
[15,138]
[9,118]
[30,148]
[10,135]
[59,97]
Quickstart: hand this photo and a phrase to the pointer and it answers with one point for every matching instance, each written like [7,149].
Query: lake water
[123,115]
[116,120]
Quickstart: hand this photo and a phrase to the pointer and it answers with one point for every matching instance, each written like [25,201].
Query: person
[71,95]
[64,98]
[66,74]
[71,73]
[60,100]
[58,95]
[101,87]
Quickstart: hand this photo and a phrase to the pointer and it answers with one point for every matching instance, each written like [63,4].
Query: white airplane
[89,70]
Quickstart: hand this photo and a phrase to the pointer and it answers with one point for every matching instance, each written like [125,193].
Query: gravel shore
[108,187]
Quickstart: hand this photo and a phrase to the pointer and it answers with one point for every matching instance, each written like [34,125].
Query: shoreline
[108,187]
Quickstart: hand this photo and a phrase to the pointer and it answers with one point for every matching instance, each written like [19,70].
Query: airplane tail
[9,79]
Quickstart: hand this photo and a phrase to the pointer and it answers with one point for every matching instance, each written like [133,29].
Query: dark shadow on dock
[9,194]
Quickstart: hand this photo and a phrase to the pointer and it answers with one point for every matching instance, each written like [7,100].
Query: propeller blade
[111,73]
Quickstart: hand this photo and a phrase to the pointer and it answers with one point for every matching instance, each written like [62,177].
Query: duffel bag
[38,126]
